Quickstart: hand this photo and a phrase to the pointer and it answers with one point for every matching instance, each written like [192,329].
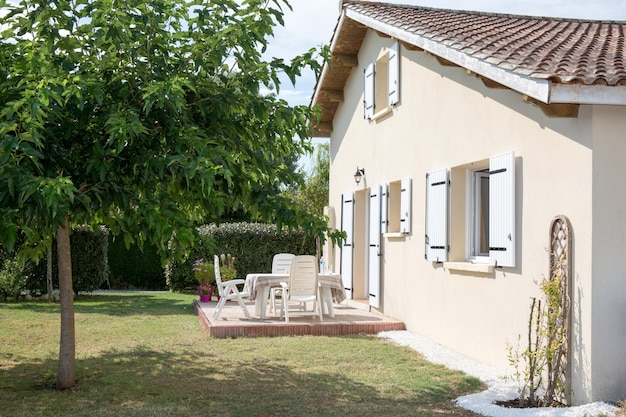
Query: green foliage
[13,277]
[204,271]
[134,267]
[252,244]
[313,194]
[89,262]
[147,117]
[89,258]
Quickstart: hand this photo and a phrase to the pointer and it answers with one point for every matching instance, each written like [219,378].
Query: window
[382,90]
[478,212]
[398,212]
[473,222]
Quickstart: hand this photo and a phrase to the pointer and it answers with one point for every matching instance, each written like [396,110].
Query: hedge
[89,262]
[133,268]
[252,244]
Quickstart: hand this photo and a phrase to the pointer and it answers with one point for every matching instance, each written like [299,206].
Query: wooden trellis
[560,268]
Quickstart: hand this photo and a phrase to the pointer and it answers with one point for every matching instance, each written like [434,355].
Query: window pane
[484,215]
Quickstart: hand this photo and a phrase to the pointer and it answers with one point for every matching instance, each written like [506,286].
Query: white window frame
[397,214]
[382,84]
[502,219]
[473,223]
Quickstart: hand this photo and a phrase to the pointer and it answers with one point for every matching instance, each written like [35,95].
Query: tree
[312,195]
[144,116]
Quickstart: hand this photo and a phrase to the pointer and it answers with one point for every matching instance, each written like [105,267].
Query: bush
[89,262]
[12,278]
[252,244]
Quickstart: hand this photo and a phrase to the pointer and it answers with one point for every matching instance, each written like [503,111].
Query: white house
[483,142]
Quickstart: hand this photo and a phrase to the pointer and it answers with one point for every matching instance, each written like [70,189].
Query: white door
[374,245]
[347,246]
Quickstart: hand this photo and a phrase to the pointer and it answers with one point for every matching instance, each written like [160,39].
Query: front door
[374,246]
[347,246]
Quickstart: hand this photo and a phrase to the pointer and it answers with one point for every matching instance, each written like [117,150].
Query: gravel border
[498,387]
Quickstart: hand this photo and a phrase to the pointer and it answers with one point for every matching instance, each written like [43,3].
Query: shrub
[12,278]
[252,244]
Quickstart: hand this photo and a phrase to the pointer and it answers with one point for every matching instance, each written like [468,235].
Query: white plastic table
[259,285]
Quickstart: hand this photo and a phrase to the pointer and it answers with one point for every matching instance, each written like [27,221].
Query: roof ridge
[477,12]
[564,50]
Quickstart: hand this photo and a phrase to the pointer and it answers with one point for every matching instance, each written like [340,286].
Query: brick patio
[350,318]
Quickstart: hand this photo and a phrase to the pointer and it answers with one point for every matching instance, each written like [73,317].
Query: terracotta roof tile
[556,49]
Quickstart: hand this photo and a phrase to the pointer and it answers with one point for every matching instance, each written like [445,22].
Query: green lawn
[147,355]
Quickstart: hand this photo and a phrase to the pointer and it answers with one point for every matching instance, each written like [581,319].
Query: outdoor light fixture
[358,174]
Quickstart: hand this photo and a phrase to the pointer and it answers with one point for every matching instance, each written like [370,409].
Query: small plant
[227,267]
[540,368]
[205,275]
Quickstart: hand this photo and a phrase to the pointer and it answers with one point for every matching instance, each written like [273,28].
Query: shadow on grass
[113,304]
[145,382]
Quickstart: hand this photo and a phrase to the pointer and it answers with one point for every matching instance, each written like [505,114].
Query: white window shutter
[347,246]
[374,246]
[405,205]
[502,209]
[384,208]
[394,74]
[368,91]
[437,216]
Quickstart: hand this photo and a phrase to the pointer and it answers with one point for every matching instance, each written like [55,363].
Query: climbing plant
[541,369]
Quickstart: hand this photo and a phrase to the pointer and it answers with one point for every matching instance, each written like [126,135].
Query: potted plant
[205,274]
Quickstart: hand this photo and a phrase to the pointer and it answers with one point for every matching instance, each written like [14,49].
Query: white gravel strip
[498,388]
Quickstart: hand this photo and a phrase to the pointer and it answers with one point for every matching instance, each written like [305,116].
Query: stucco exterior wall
[608,287]
[448,118]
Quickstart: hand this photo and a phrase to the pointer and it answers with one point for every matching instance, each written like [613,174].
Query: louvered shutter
[502,209]
[405,205]
[384,207]
[374,246]
[368,91]
[394,74]
[437,216]
[347,246]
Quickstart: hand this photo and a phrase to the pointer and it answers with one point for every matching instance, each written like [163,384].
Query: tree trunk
[67,350]
[49,275]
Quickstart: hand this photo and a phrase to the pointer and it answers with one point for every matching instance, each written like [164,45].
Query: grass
[147,355]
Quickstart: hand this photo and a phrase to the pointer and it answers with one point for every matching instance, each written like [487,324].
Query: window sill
[382,113]
[469,267]
[394,235]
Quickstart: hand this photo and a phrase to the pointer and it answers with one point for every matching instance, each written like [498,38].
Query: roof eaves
[588,94]
[325,67]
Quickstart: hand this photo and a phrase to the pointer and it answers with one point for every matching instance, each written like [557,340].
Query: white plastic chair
[303,287]
[281,263]
[228,291]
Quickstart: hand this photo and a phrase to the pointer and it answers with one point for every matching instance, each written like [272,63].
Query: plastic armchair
[228,291]
[281,264]
[303,287]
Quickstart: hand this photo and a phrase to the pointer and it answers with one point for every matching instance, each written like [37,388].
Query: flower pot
[205,297]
